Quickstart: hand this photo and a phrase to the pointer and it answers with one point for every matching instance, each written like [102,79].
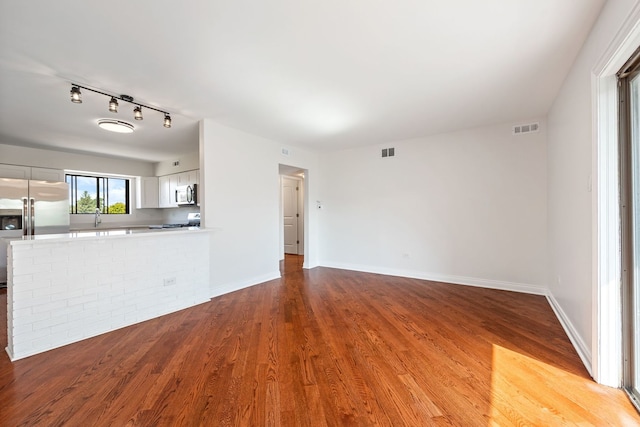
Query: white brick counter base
[67,288]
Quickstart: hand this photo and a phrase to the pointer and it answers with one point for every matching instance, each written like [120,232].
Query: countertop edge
[105,234]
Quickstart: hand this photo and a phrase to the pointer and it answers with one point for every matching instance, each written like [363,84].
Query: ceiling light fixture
[76,97]
[115,125]
[113,105]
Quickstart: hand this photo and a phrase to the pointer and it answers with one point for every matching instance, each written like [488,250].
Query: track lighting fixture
[137,113]
[76,96]
[113,105]
[117,125]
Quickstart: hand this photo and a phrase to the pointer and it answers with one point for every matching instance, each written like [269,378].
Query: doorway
[292,222]
[292,218]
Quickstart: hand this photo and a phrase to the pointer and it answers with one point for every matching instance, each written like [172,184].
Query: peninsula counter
[68,287]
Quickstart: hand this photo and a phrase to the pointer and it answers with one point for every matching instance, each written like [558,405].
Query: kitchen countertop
[106,233]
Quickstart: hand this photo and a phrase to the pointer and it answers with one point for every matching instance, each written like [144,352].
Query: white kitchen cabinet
[13,171]
[164,192]
[28,172]
[174,181]
[188,177]
[168,184]
[46,174]
[147,192]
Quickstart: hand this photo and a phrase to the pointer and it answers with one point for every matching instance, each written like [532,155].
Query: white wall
[187,162]
[570,172]
[464,207]
[240,189]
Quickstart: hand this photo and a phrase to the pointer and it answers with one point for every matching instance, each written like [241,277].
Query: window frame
[102,189]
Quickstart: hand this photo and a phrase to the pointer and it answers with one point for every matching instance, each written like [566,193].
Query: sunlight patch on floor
[526,391]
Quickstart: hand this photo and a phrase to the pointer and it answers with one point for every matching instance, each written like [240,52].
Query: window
[109,194]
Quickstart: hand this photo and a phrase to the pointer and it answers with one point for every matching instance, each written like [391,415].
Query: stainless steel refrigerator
[28,208]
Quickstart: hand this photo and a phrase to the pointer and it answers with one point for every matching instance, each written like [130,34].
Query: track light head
[113,105]
[167,120]
[76,95]
[137,113]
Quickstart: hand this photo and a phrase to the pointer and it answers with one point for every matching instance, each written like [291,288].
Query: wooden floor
[321,347]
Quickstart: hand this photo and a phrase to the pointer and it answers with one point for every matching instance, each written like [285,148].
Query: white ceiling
[318,74]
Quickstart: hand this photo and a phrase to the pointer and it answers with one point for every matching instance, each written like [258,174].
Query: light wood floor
[321,347]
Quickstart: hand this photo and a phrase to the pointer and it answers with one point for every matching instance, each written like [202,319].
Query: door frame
[303,204]
[628,208]
[606,358]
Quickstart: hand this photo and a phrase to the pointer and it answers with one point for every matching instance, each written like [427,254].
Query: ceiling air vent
[528,128]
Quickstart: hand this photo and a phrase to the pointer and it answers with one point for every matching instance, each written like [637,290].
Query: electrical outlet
[169,281]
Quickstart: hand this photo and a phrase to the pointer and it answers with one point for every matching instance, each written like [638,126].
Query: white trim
[606,367]
[606,345]
[436,277]
[624,43]
[236,286]
[578,343]
[10,353]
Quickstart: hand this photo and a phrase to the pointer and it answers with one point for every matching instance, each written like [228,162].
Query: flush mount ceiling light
[120,126]
[115,125]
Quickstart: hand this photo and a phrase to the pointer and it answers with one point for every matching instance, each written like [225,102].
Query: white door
[290,214]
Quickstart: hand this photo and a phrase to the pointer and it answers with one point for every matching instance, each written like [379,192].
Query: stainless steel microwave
[187,195]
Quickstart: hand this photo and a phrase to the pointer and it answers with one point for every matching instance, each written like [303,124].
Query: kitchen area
[71,276]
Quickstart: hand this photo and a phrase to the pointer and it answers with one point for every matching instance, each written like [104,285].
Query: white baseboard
[8,350]
[578,343]
[226,288]
[458,280]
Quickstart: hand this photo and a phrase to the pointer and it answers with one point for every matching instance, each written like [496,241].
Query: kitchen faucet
[97,219]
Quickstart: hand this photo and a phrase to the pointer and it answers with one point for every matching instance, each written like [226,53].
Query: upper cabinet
[188,177]
[147,192]
[168,184]
[13,171]
[45,174]
[27,172]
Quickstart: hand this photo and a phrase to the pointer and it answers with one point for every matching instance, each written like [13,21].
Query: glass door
[629,83]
